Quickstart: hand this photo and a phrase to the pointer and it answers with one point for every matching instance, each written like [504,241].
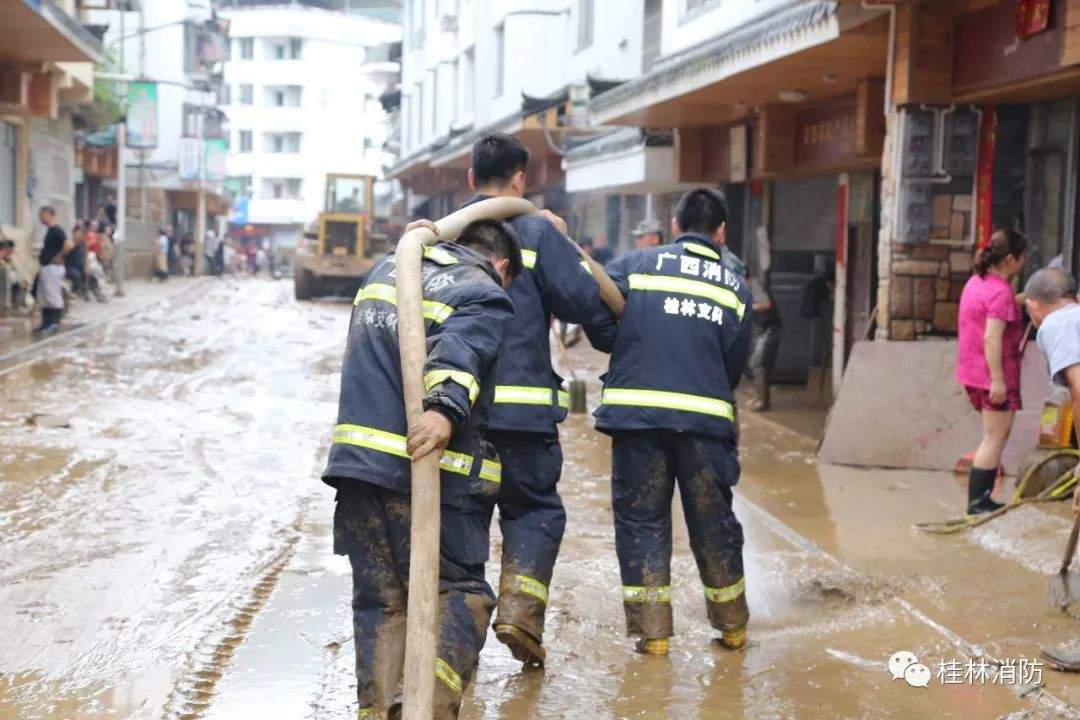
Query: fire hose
[422,609]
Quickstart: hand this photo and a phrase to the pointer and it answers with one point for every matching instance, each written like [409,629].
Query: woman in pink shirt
[988,355]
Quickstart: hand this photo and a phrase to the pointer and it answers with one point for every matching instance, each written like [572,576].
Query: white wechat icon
[900,661]
[917,675]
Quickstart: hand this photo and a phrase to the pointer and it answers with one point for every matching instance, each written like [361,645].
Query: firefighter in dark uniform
[466,313]
[668,403]
[529,399]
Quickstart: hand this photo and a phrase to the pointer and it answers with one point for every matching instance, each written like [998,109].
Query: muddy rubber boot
[733,639]
[523,646]
[652,646]
[980,486]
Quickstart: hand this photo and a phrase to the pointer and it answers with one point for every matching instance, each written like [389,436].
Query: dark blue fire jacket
[528,395]
[680,348]
[466,314]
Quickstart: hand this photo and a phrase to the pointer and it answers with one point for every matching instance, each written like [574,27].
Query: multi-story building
[303,86]
[46,72]
[526,68]
[179,47]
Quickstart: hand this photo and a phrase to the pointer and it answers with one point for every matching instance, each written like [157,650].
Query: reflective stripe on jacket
[529,396]
[680,348]
[466,314]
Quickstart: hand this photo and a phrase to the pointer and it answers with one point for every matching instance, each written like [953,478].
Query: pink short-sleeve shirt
[987,297]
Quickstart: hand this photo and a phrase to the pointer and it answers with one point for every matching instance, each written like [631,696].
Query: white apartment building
[476,66]
[302,95]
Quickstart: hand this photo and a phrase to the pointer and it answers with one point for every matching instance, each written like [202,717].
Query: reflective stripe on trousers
[726,594]
[393,444]
[668,401]
[531,586]
[637,593]
[528,395]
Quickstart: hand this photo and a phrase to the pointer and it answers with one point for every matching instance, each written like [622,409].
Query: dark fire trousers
[371,526]
[532,520]
[646,465]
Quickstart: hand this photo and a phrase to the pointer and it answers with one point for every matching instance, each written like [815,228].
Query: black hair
[47,209]
[701,210]
[496,158]
[1003,243]
[493,237]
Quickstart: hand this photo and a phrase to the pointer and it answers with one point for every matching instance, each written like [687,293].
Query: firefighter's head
[702,211]
[498,242]
[498,166]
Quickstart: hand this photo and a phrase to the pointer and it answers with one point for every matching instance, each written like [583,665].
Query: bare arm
[992,349]
[1072,376]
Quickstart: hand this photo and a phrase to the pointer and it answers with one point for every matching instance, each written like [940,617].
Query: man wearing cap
[648,234]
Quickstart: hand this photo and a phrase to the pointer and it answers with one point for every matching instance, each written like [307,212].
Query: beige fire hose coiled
[422,627]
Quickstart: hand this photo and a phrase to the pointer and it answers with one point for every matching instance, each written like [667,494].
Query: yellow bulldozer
[337,253]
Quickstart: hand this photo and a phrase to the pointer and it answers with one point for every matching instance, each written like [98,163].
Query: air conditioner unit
[448,23]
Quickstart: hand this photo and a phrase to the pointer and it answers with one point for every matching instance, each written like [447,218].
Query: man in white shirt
[1051,301]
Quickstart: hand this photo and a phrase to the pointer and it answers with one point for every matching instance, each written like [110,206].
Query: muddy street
[167,552]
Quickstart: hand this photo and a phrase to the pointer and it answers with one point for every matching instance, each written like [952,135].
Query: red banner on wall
[984,180]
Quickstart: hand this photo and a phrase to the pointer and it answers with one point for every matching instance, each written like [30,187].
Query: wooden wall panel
[1070,42]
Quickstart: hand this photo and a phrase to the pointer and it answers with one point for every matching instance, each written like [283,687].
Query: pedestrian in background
[647,234]
[161,257]
[75,261]
[765,345]
[601,252]
[1050,296]
[51,295]
[990,330]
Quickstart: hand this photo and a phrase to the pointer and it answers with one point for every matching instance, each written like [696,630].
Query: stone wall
[927,278]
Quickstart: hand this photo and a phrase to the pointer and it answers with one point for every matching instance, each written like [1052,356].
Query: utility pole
[120,231]
[142,152]
[200,204]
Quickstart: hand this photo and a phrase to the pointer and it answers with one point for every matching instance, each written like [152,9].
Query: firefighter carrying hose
[529,401]
[466,314]
[676,357]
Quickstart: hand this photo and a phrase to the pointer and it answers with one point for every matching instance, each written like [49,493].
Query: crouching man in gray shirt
[1051,302]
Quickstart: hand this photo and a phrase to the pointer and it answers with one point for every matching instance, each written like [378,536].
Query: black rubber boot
[980,486]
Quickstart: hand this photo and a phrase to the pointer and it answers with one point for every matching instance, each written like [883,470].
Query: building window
[500,57]
[243,140]
[240,185]
[281,188]
[191,121]
[585,13]
[247,48]
[284,142]
[418,93]
[467,81]
[283,95]
[247,94]
[692,8]
[224,94]
[287,49]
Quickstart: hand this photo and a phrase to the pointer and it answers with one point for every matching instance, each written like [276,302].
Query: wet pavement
[167,554]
